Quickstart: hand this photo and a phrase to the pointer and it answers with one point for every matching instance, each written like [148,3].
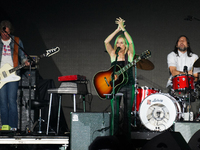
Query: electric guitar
[8,74]
[103,80]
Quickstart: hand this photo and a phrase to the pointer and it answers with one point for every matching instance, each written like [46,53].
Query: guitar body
[6,76]
[7,72]
[103,82]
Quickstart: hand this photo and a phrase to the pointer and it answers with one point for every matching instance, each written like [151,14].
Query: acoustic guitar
[102,80]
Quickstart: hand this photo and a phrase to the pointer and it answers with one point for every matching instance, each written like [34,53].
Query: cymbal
[144,64]
[197,63]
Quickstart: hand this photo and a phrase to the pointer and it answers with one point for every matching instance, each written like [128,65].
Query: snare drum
[180,84]
[158,111]
[142,93]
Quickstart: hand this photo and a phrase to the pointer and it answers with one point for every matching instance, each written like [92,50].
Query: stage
[183,131]
[16,140]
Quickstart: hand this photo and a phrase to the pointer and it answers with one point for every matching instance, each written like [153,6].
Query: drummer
[181,60]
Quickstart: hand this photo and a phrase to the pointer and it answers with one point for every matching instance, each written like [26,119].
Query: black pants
[122,116]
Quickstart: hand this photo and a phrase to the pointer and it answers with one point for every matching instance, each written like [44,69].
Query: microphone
[185,69]
[117,50]
[4,29]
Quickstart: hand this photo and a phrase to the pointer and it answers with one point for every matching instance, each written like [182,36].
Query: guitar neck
[48,53]
[122,70]
[17,68]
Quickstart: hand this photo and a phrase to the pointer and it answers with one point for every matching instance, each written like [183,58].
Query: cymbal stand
[189,89]
[189,95]
[135,101]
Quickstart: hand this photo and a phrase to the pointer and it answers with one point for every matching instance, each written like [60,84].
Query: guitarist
[10,53]
[125,55]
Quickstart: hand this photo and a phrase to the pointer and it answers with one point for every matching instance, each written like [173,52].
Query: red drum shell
[142,93]
[180,83]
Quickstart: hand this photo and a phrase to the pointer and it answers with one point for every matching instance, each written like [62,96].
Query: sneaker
[13,129]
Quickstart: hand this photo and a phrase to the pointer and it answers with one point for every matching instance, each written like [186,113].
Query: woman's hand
[120,23]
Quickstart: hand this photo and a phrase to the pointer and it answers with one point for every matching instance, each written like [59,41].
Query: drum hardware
[189,88]
[187,116]
[184,90]
[143,64]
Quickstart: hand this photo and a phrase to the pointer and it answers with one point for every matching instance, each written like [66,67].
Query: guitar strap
[15,53]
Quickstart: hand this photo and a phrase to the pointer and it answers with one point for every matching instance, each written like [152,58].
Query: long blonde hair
[125,40]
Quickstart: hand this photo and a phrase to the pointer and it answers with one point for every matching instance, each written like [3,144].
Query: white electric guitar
[8,74]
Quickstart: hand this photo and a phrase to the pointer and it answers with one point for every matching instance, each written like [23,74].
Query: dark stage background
[80,27]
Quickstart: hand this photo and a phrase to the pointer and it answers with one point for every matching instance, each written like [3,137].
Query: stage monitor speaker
[85,127]
[187,129]
[167,141]
[194,142]
[105,143]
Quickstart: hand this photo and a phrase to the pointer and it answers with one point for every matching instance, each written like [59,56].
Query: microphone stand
[31,61]
[113,94]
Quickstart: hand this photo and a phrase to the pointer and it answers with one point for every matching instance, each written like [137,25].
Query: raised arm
[131,50]
[108,46]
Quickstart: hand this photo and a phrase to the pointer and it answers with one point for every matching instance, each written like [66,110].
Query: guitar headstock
[146,54]
[52,51]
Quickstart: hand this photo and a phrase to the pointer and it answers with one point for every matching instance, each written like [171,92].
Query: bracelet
[124,31]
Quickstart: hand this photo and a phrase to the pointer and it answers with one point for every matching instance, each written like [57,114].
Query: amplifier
[85,127]
[25,75]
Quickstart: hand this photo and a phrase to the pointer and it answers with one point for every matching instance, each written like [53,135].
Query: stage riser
[167,140]
[187,129]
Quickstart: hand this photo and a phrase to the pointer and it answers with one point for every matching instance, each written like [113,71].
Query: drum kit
[158,111]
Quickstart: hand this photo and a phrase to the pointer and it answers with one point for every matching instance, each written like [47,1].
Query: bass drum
[158,111]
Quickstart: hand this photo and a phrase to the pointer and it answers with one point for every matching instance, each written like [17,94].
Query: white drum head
[158,111]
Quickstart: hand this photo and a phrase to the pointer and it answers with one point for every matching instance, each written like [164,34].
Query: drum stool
[38,105]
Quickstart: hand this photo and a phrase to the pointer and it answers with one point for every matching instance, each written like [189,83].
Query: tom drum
[181,84]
